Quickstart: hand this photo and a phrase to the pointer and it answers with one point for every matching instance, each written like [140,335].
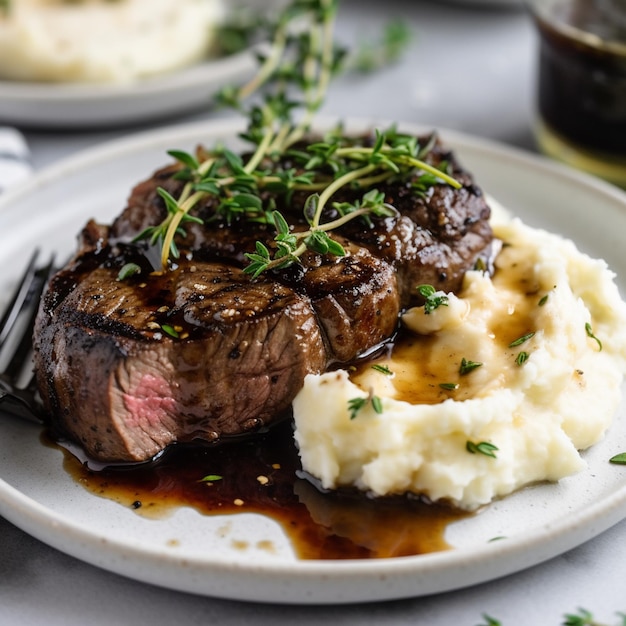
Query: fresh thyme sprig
[314,59]
[238,188]
[370,56]
[581,618]
[291,246]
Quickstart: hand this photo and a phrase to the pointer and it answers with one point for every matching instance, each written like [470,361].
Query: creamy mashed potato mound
[103,40]
[539,402]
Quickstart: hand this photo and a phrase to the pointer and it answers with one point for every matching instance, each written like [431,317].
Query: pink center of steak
[149,403]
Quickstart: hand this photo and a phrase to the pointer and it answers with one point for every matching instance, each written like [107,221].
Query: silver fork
[18,394]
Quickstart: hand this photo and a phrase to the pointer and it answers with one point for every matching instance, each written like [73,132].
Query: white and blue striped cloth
[14,158]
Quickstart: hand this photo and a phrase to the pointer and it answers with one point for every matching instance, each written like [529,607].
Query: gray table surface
[470,68]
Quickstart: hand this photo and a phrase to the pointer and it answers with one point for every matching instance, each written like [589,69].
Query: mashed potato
[549,333]
[103,40]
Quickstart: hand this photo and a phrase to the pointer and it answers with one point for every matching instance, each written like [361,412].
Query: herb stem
[259,153]
[363,153]
[340,221]
[269,66]
[183,209]
[374,180]
[279,140]
[327,53]
[314,73]
[335,186]
[417,163]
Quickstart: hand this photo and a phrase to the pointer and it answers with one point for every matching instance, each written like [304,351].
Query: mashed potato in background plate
[103,40]
[498,388]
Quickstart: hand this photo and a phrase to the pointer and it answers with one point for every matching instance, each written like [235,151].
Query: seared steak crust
[203,351]
[126,389]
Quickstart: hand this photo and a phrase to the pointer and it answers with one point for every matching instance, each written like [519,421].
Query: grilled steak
[204,351]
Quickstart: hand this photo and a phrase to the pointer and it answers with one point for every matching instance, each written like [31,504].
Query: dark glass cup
[581,89]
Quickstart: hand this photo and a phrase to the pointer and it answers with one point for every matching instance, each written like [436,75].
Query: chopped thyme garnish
[520,340]
[211,478]
[377,404]
[581,618]
[542,300]
[356,404]
[449,386]
[128,270]
[618,459]
[484,447]
[589,332]
[521,358]
[468,366]
[480,265]
[383,369]
[432,300]
[170,330]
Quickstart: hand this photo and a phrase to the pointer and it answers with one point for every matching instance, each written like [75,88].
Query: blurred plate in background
[54,105]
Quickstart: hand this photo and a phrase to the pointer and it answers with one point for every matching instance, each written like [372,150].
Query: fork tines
[17,321]
[19,297]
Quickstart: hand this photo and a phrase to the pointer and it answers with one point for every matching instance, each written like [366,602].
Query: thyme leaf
[521,358]
[432,301]
[355,405]
[128,270]
[377,404]
[449,386]
[520,340]
[383,369]
[618,459]
[468,366]
[589,331]
[211,478]
[170,330]
[484,447]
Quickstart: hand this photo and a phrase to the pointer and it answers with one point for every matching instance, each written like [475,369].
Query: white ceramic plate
[75,106]
[203,555]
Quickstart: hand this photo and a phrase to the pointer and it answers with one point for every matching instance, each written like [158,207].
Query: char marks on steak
[115,379]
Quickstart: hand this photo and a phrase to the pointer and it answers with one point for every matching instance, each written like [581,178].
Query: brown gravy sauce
[262,475]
